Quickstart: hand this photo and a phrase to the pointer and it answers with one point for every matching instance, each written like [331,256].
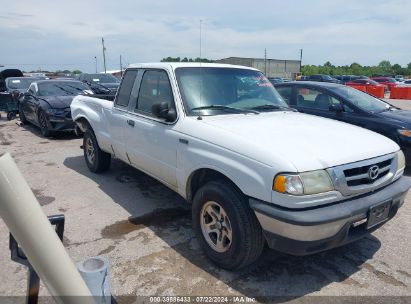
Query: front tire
[96,159]
[44,124]
[225,225]
[22,116]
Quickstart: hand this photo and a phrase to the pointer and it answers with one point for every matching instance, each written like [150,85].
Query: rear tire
[11,115]
[96,159]
[225,225]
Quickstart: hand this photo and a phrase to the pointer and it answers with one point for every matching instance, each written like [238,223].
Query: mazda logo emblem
[373,172]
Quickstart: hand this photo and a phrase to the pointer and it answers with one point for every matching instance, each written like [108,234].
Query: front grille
[359,176]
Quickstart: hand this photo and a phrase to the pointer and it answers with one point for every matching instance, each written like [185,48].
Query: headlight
[55,111]
[404,132]
[304,183]
[400,160]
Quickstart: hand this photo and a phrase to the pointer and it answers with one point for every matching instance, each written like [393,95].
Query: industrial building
[270,67]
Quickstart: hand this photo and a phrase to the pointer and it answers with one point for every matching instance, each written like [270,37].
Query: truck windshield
[362,100]
[213,90]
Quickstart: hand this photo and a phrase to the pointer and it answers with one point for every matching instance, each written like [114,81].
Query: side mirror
[336,107]
[161,110]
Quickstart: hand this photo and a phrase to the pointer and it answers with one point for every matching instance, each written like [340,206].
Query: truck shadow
[275,275]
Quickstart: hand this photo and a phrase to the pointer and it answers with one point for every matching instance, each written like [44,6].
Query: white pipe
[96,273]
[24,217]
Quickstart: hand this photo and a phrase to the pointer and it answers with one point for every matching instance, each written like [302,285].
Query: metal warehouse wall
[271,68]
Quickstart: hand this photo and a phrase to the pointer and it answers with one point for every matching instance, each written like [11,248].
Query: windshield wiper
[99,84]
[272,107]
[225,108]
[78,89]
[63,89]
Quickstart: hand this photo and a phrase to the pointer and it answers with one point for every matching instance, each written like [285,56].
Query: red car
[388,81]
[367,83]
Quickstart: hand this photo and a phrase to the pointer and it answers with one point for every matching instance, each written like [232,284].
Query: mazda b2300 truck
[254,170]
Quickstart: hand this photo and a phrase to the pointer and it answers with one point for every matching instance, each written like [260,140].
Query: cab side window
[155,87]
[124,92]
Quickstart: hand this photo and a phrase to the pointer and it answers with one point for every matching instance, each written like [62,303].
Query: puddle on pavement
[159,218]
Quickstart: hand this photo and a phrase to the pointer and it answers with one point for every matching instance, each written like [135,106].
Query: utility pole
[265,62]
[201,22]
[95,58]
[104,55]
[301,58]
[121,67]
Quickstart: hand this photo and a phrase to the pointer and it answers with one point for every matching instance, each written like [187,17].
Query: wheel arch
[83,123]
[200,176]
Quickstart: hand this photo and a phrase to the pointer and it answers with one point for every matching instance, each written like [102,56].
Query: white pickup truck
[254,170]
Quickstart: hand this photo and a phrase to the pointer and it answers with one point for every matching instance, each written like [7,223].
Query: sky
[57,35]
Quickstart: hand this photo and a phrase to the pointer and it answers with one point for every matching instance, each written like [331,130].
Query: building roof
[249,58]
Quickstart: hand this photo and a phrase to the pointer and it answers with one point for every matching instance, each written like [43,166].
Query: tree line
[383,68]
[185,59]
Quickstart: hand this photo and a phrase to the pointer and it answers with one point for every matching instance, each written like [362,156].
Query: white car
[254,170]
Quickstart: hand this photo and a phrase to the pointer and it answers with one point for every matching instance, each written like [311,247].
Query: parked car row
[254,170]
[352,80]
[46,103]
[320,78]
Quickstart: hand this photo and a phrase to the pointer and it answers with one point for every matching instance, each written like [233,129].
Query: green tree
[385,67]
[185,59]
[398,70]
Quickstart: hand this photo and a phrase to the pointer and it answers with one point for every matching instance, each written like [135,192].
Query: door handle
[131,122]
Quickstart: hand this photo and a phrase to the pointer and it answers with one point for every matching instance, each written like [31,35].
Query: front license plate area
[378,214]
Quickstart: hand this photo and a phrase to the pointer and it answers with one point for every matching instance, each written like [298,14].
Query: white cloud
[338,31]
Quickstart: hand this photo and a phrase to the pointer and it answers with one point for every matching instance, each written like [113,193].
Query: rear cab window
[124,92]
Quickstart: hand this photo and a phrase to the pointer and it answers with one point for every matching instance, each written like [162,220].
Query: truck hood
[288,138]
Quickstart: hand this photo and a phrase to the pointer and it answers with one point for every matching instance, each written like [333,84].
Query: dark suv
[322,78]
[101,83]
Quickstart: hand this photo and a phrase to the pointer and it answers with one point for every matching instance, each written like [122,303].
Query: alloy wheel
[216,226]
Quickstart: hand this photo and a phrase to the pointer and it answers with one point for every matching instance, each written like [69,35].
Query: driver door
[151,141]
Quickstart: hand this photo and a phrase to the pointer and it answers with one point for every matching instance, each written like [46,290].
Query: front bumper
[303,232]
[61,122]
